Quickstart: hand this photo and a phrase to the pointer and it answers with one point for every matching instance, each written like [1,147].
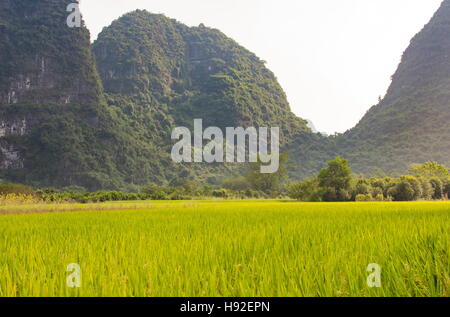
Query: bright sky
[334,58]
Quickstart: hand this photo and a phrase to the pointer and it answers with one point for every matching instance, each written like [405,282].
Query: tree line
[337,183]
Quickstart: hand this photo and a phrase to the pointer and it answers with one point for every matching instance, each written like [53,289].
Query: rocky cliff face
[51,103]
[42,59]
[9,154]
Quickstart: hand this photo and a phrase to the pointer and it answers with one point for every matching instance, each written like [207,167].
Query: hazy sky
[334,58]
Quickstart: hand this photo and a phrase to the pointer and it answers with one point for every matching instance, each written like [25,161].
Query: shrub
[190,188]
[402,191]
[344,195]
[306,191]
[16,189]
[438,188]
[16,199]
[446,190]
[362,188]
[221,193]
[48,190]
[415,184]
[426,188]
[74,189]
[363,197]
[159,196]
[380,184]
[376,191]
[151,189]
[179,196]
[329,194]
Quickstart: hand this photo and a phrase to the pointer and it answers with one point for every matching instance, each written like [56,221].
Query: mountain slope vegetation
[52,110]
[181,73]
[56,128]
[412,123]
[101,115]
[163,74]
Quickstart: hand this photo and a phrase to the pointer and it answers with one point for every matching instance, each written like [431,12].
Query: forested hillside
[52,114]
[163,74]
[172,73]
[101,115]
[412,123]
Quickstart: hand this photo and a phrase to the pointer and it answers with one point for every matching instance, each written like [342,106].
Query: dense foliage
[430,181]
[49,83]
[110,129]
[167,74]
[185,73]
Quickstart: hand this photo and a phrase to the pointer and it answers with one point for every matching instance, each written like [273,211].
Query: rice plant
[227,248]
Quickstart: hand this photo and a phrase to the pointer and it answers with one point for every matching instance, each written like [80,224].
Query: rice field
[225,248]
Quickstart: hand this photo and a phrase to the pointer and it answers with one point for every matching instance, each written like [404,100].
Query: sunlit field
[225,248]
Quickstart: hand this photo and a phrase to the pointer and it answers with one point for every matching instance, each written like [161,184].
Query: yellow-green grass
[226,248]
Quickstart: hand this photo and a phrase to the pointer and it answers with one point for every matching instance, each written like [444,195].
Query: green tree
[363,187]
[427,190]
[336,180]
[447,189]
[415,184]
[402,191]
[305,191]
[269,183]
[438,188]
[406,188]
[430,169]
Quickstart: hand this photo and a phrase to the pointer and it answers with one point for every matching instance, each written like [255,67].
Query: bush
[438,188]
[16,189]
[376,191]
[159,196]
[328,194]
[426,188]
[446,190]
[362,188]
[179,196]
[415,184]
[74,189]
[48,190]
[364,197]
[151,189]
[344,195]
[221,193]
[306,191]
[402,191]
[380,185]
[16,199]
[369,197]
